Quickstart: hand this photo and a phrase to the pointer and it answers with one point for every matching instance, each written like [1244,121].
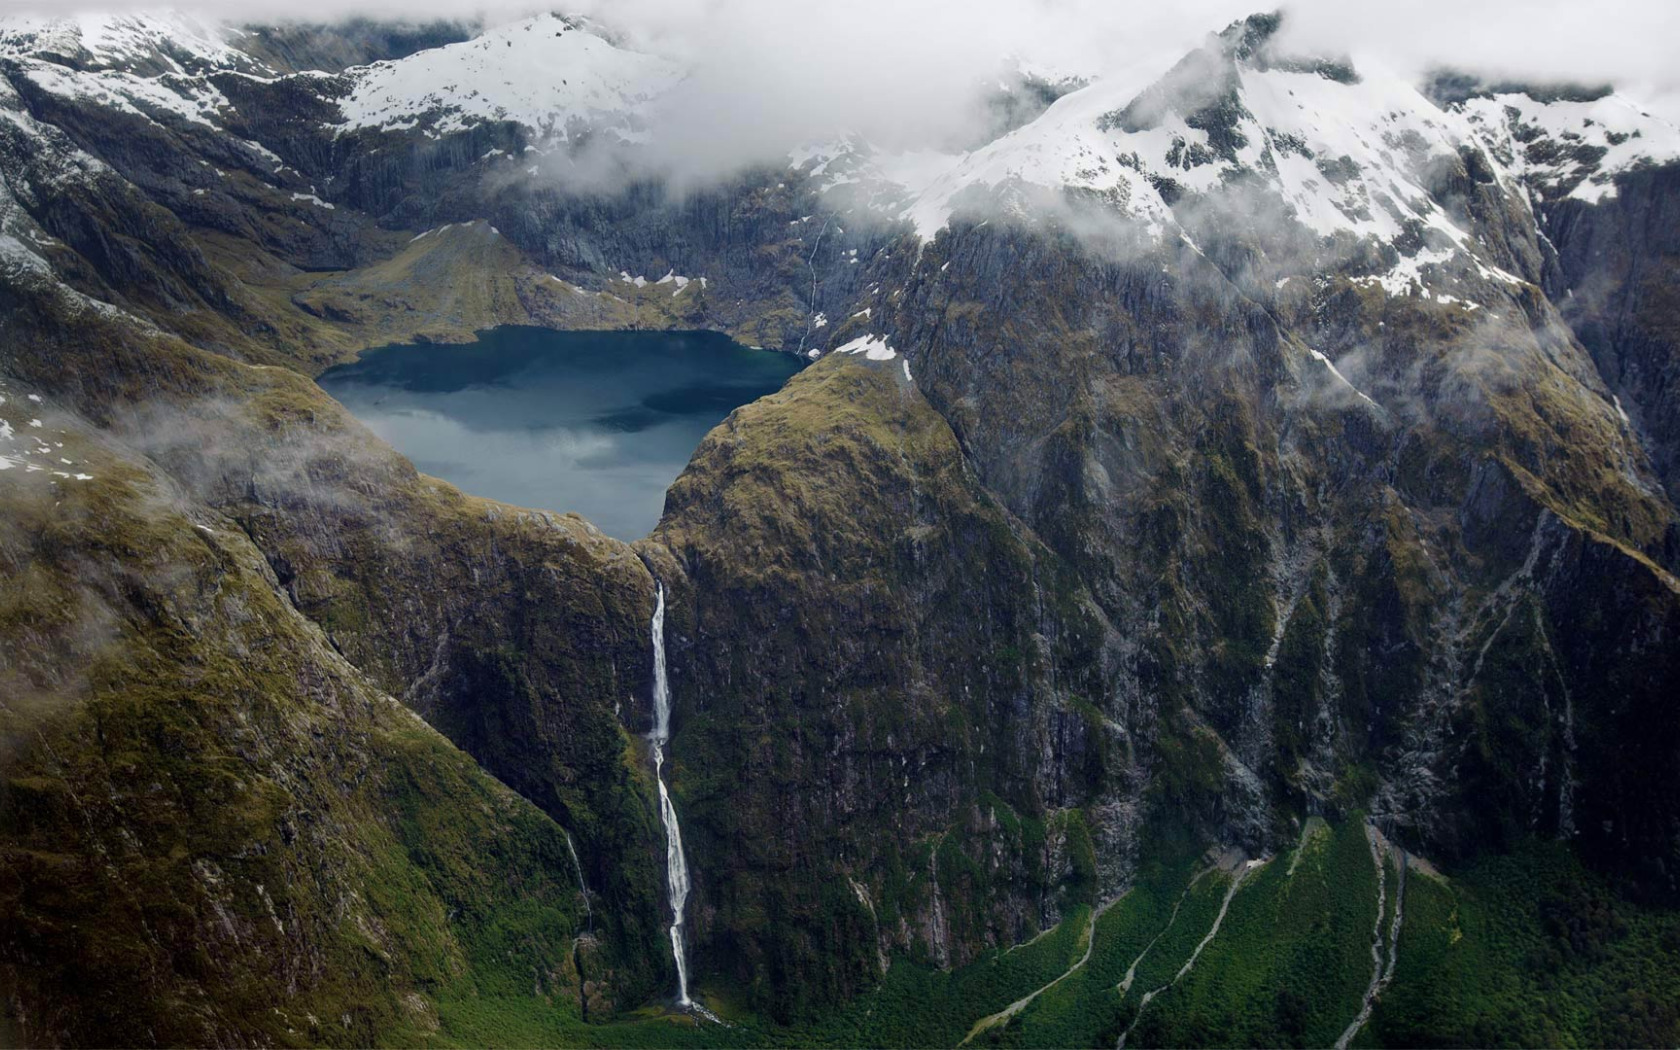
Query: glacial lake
[599,423]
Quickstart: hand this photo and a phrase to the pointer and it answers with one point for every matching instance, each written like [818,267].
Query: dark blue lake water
[595,422]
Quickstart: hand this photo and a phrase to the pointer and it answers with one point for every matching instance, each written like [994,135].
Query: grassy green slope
[1528,949]
[216,807]
[1292,960]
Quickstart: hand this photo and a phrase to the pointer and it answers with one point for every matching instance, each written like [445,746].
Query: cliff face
[521,636]
[1615,285]
[1328,542]
[877,748]
[217,830]
[1188,572]
[1212,476]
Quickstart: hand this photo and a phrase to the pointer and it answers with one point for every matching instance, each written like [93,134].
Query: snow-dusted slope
[1571,147]
[153,65]
[1064,147]
[1350,154]
[192,98]
[148,41]
[551,74]
[1354,157]
[543,73]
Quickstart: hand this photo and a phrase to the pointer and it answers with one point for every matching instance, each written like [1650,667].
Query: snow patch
[872,347]
[1572,149]
[1331,365]
[122,39]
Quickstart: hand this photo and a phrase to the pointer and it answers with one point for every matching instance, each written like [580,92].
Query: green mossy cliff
[216,829]
[870,754]
[210,774]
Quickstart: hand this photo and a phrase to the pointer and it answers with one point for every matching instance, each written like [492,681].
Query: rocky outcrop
[215,828]
[1616,286]
[883,739]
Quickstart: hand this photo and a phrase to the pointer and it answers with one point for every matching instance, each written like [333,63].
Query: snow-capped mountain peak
[541,73]
[140,42]
[1355,155]
[1349,153]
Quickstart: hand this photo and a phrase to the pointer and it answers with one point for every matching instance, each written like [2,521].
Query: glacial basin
[599,423]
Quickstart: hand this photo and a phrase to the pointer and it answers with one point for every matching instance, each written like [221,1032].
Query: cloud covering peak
[763,75]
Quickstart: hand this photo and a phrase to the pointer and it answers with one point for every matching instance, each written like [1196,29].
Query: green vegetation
[1084,1009]
[920,1006]
[1530,949]
[218,808]
[1292,958]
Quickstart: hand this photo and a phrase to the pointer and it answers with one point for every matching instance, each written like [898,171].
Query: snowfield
[543,73]
[1351,152]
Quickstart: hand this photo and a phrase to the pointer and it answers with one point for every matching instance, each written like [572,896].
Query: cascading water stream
[583,887]
[676,864]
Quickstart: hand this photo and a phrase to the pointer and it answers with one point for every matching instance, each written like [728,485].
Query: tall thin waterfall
[583,887]
[676,865]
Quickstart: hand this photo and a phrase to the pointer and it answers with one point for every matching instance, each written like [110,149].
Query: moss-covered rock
[862,647]
[215,829]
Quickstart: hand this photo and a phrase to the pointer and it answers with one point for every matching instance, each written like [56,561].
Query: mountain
[1223,547]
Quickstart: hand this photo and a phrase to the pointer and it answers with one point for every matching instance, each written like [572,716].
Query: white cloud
[1629,43]
[769,73]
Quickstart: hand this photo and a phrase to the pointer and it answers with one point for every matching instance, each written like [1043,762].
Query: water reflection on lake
[595,422]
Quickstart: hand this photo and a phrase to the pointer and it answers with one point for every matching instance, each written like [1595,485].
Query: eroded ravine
[1242,872]
[1382,966]
[1003,1015]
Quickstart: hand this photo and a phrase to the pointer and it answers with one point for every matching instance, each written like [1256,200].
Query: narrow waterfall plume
[583,887]
[676,864]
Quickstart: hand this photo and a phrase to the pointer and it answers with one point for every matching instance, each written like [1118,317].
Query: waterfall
[583,887]
[676,864]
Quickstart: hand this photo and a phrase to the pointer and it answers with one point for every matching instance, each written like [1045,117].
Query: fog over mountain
[766,74]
